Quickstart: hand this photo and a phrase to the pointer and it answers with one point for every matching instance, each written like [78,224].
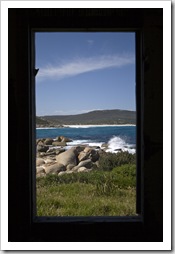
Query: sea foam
[115,139]
[117,144]
[103,125]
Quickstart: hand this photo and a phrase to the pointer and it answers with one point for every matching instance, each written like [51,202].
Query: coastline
[87,126]
[114,136]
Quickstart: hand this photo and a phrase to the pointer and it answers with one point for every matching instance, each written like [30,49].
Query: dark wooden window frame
[23,224]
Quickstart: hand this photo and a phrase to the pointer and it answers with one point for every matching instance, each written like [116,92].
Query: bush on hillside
[108,161]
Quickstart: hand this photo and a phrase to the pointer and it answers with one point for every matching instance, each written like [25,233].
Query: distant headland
[96,117]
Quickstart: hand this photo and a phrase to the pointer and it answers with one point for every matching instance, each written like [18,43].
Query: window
[148,227]
[85,99]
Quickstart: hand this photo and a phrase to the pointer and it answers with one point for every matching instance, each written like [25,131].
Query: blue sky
[84,71]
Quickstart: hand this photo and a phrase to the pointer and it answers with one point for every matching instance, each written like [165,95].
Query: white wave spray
[117,144]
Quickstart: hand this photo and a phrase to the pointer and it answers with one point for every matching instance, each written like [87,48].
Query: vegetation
[110,160]
[101,192]
[41,121]
[115,116]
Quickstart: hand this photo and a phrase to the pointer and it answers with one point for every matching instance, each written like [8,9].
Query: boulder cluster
[53,157]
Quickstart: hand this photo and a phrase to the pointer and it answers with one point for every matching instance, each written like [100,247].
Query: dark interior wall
[153,114]
[18,122]
[149,21]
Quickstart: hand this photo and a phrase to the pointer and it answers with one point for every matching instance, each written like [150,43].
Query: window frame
[32,227]
[138,89]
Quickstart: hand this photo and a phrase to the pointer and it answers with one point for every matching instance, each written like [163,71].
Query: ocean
[117,137]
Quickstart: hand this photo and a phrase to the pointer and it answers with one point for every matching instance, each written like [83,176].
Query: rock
[64,139]
[37,140]
[87,163]
[40,140]
[68,157]
[69,167]
[55,151]
[65,172]
[41,143]
[94,155]
[83,156]
[48,141]
[50,152]
[62,150]
[41,148]
[62,173]
[56,143]
[49,161]
[51,155]
[79,148]
[88,153]
[69,172]
[87,149]
[52,160]
[58,139]
[55,168]
[40,170]
[83,169]
[40,175]
[39,162]
[41,154]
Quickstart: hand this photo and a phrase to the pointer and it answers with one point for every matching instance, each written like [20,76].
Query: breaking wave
[109,138]
[96,126]
[117,144]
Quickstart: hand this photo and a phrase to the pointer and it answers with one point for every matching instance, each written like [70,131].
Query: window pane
[85,124]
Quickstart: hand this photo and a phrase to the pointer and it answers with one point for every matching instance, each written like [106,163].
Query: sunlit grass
[96,193]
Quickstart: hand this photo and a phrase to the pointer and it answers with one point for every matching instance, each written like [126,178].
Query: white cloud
[82,65]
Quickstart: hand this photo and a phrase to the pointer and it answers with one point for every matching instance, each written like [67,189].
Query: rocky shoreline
[52,157]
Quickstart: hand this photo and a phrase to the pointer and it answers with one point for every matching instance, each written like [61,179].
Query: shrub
[106,182]
[126,175]
[123,177]
[108,161]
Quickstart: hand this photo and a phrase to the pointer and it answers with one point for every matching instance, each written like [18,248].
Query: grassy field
[96,193]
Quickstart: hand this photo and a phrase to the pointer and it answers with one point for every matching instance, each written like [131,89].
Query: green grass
[96,193]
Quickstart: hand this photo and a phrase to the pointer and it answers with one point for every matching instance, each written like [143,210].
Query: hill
[41,122]
[115,116]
